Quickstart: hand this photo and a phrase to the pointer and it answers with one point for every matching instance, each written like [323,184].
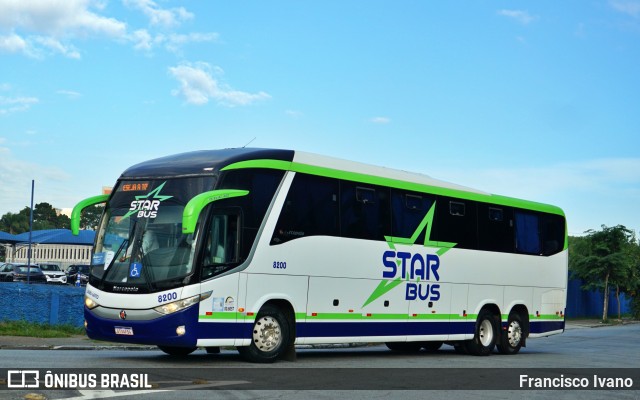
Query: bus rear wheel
[270,336]
[177,351]
[511,340]
[404,347]
[431,347]
[485,337]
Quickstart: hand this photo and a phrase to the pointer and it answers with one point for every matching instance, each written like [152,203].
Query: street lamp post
[30,232]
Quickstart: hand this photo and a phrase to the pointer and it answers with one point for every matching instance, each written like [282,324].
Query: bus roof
[211,162]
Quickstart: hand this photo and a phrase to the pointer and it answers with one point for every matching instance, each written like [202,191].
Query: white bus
[265,249]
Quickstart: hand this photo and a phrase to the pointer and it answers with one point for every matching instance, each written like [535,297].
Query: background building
[56,246]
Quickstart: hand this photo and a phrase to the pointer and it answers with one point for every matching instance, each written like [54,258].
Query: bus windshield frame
[140,246]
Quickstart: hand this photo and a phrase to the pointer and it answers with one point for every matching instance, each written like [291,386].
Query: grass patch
[34,329]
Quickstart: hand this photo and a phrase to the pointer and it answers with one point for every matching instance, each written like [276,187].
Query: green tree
[90,217]
[603,259]
[44,217]
[14,223]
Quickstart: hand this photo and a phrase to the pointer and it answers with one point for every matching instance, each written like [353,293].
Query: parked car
[74,270]
[53,273]
[11,272]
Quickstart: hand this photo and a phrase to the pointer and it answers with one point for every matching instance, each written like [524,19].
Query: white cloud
[57,18]
[16,175]
[198,86]
[57,47]
[380,120]
[522,17]
[175,41]
[12,43]
[157,16]
[9,105]
[35,27]
[631,8]
[70,94]
[293,113]
[143,40]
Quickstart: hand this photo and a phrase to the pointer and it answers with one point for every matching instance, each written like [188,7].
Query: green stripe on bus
[545,317]
[223,315]
[394,183]
[383,316]
[374,316]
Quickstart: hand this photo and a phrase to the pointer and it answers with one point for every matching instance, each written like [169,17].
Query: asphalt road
[580,355]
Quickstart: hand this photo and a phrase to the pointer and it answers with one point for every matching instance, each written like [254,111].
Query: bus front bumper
[177,329]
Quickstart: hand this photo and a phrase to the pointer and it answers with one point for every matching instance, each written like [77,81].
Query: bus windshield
[140,246]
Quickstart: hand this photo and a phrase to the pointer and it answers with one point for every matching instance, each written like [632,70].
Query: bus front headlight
[90,303]
[170,308]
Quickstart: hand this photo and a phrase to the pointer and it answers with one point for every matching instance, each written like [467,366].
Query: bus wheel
[269,338]
[511,339]
[177,351]
[460,348]
[404,347]
[431,346]
[484,339]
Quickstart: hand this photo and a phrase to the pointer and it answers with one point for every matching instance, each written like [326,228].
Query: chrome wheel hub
[514,334]
[267,334]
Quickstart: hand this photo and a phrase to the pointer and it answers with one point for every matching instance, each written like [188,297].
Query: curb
[149,347]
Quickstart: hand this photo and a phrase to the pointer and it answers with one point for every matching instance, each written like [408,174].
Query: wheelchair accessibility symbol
[134,270]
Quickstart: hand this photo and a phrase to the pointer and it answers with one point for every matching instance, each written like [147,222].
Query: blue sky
[531,99]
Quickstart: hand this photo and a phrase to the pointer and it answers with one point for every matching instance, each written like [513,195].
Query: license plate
[124,330]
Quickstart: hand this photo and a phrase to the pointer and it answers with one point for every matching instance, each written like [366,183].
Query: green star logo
[385,285]
[152,195]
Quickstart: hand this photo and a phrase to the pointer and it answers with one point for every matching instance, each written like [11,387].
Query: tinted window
[552,230]
[527,233]
[310,209]
[364,211]
[262,185]
[408,209]
[495,228]
[455,222]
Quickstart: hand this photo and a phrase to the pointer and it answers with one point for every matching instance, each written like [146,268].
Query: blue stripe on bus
[161,331]
[546,326]
[346,329]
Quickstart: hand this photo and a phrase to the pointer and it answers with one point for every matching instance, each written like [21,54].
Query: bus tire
[511,340]
[177,351]
[485,336]
[404,347]
[460,348]
[431,347]
[270,336]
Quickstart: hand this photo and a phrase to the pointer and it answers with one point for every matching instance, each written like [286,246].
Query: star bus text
[420,271]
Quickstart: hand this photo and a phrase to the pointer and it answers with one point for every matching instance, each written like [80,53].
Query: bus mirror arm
[195,206]
[77,210]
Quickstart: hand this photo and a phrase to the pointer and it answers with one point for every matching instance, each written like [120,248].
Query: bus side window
[455,221]
[552,234]
[495,228]
[408,209]
[527,233]
[310,209]
[221,248]
[365,212]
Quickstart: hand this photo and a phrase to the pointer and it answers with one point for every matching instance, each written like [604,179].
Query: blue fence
[63,304]
[48,304]
[589,303]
